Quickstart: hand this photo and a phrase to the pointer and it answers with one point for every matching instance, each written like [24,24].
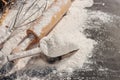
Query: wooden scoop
[33,52]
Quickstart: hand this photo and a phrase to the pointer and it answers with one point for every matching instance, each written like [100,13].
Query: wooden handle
[24,54]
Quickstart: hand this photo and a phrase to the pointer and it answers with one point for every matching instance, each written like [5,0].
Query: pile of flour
[69,31]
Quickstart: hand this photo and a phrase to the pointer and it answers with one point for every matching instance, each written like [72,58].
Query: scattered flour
[105,17]
[69,34]
[69,30]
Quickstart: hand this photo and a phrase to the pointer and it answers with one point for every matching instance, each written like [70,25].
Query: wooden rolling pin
[49,19]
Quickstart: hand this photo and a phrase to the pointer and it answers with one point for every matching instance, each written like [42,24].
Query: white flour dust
[69,30]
